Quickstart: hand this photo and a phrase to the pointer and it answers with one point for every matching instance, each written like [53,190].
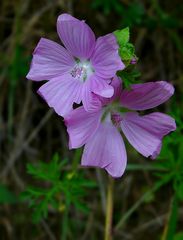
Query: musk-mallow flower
[100,132]
[77,72]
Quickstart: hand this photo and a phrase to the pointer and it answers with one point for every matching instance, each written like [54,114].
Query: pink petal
[105,149]
[146,95]
[116,84]
[105,59]
[81,125]
[101,87]
[60,93]
[110,39]
[76,35]
[145,133]
[90,101]
[49,60]
[67,17]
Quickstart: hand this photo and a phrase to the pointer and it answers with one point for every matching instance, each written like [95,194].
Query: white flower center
[82,70]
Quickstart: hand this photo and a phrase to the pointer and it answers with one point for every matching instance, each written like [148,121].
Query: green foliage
[126,49]
[129,76]
[131,14]
[107,6]
[127,53]
[178,236]
[172,162]
[172,223]
[6,196]
[60,188]
[171,159]
[168,169]
[134,14]
[123,36]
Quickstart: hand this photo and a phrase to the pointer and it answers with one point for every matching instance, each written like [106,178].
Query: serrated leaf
[46,171]
[122,36]
[127,52]
[63,187]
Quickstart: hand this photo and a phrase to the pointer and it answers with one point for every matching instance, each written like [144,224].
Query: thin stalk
[170,227]
[65,220]
[109,210]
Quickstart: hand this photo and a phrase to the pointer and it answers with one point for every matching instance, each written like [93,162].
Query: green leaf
[6,196]
[126,52]
[179,189]
[47,171]
[61,187]
[178,236]
[126,49]
[172,222]
[129,77]
[122,36]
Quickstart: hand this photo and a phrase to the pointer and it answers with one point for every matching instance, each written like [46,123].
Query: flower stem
[65,220]
[170,227]
[109,209]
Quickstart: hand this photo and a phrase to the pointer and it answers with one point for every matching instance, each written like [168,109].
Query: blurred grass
[157,28]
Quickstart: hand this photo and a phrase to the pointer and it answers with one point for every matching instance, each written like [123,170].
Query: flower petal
[101,87]
[81,125]
[105,59]
[145,133]
[76,35]
[116,84]
[105,149]
[61,93]
[90,100]
[49,60]
[67,17]
[146,95]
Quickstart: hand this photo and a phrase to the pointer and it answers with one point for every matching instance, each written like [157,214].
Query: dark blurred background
[30,132]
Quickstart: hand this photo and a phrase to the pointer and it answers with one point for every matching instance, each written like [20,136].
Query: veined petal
[49,61]
[81,125]
[60,93]
[116,84]
[105,149]
[91,101]
[105,59]
[67,17]
[146,95]
[101,87]
[145,133]
[76,35]
[111,39]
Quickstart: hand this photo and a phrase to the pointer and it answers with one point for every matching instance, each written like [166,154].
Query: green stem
[109,210]
[65,220]
[170,227]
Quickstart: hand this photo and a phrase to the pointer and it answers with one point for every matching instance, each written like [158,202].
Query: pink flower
[99,131]
[75,72]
